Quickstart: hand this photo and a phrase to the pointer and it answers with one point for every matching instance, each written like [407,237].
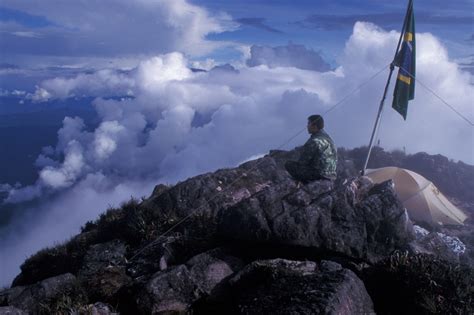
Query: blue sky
[324,25]
[29,31]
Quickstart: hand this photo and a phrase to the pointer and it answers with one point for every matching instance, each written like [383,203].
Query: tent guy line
[355,90]
[440,98]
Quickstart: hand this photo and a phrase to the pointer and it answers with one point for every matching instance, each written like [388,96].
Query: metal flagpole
[379,114]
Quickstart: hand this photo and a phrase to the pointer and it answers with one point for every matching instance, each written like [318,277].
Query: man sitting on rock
[318,159]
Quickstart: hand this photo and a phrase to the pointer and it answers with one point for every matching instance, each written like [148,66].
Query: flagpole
[379,114]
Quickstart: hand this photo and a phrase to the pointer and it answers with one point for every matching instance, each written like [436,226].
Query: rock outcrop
[281,286]
[238,241]
[177,288]
[36,298]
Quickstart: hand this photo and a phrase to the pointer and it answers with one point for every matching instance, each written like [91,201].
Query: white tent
[423,201]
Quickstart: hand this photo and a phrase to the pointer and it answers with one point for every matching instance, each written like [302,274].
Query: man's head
[315,123]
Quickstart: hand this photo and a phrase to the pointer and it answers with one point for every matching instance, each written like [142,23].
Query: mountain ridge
[239,220]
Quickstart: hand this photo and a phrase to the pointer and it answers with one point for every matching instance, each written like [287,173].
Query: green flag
[405,60]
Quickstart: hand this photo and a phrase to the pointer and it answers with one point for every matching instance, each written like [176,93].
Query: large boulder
[39,297]
[364,226]
[205,195]
[177,288]
[210,268]
[169,291]
[281,286]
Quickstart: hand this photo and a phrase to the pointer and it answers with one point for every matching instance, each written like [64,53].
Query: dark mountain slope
[252,240]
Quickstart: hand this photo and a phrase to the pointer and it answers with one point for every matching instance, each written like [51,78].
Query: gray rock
[98,308]
[103,270]
[210,268]
[281,286]
[169,291]
[264,204]
[327,265]
[177,288]
[10,310]
[165,251]
[28,297]
[365,226]
[206,193]
[440,245]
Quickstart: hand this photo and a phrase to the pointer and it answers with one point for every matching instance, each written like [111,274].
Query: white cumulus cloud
[291,55]
[114,29]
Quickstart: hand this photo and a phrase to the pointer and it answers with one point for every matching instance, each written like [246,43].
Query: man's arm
[310,150]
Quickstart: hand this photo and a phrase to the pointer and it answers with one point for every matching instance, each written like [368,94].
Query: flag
[405,60]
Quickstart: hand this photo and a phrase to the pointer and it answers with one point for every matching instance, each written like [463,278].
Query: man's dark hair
[318,120]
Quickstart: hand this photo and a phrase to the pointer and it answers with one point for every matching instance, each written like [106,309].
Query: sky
[186,87]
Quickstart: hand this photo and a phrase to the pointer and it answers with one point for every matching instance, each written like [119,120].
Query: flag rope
[440,98]
[341,101]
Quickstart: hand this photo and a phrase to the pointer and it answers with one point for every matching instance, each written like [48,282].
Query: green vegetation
[420,283]
[65,304]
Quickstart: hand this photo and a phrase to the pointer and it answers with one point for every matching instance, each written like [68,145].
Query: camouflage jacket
[320,153]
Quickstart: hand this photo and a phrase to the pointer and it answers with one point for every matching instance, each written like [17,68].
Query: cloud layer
[177,123]
[259,23]
[336,22]
[111,28]
[292,55]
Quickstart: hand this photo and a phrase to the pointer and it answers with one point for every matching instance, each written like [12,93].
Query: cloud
[258,23]
[174,112]
[52,222]
[15,93]
[112,28]
[107,82]
[337,22]
[27,34]
[181,123]
[467,65]
[292,55]
[205,65]
[8,69]
[8,66]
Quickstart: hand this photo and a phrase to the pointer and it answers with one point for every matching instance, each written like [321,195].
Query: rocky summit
[251,240]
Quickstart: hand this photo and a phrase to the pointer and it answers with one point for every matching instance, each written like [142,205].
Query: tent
[423,201]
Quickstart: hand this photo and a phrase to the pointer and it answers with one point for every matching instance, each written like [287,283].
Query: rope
[439,97]
[356,89]
[253,168]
